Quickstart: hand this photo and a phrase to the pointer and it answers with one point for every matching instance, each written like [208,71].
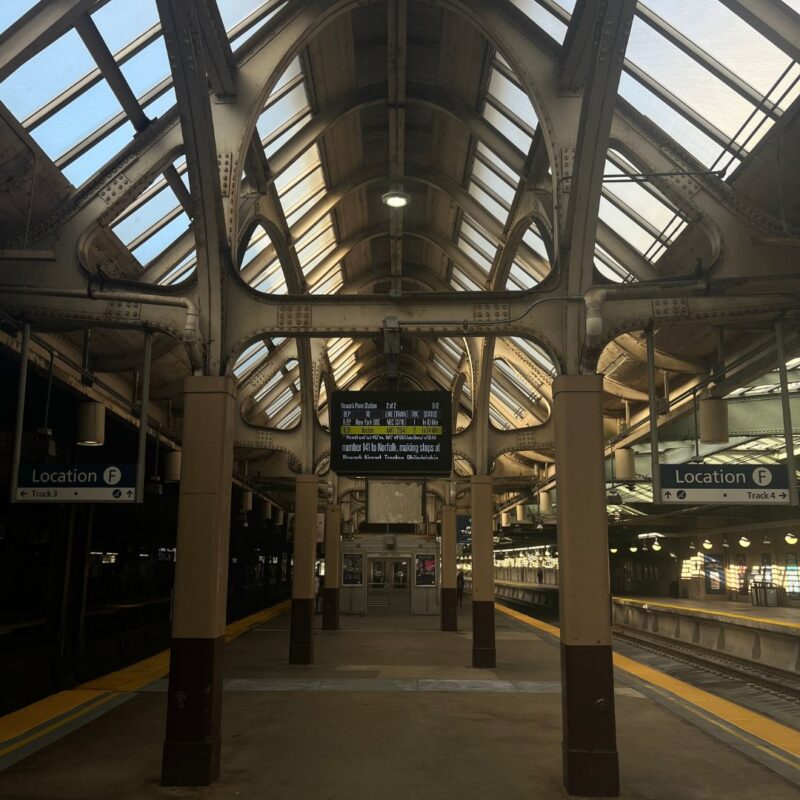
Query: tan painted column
[589,739]
[483,645]
[301,635]
[449,600]
[191,755]
[330,598]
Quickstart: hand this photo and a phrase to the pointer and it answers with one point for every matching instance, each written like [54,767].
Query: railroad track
[778,682]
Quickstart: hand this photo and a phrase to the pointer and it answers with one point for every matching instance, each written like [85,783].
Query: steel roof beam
[218,56]
[182,37]
[773,19]
[46,22]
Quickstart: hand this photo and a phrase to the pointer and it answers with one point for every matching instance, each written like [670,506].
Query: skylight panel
[121,21]
[147,68]
[304,163]
[498,185]
[259,243]
[276,140]
[291,419]
[77,120]
[45,75]
[463,283]
[619,221]
[271,281]
[181,271]
[491,157]
[161,236]
[490,204]
[300,192]
[535,353]
[509,94]
[513,132]
[690,82]
[280,111]
[252,356]
[727,38]
[688,135]
[547,21]
[331,284]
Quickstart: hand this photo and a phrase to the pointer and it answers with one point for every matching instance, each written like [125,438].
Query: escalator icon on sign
[116,494]
[681,494]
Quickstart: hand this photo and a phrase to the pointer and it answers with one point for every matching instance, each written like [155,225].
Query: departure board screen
[391,433]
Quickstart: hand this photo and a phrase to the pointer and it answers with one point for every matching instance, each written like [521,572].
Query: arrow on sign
[130,492]
[667,495]
[783,495]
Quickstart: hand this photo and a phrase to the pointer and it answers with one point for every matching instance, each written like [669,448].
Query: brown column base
[483,647]
[591,765]
[449,609]
[191,755]
[330,609]
[301,634]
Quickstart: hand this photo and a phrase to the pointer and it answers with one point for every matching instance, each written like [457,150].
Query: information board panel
[76,483]
[724,483]
[391,433]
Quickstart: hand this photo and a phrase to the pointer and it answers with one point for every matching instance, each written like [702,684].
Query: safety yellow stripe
[732,614]
[102,689]
[768,730]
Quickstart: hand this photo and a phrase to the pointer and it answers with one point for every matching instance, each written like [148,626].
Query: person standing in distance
[460,587]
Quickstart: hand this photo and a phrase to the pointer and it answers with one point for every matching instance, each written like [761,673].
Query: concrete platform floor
[392,710]
[744,609]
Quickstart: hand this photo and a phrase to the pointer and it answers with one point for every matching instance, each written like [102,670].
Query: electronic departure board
[391,433]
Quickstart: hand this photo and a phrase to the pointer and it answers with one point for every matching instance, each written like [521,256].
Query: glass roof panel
[121,21]
[689,81]
[726,37]
[46,75]
[147,68]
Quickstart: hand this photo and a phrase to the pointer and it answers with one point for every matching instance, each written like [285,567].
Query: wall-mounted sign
[76,483]
[724,483]
[391,433]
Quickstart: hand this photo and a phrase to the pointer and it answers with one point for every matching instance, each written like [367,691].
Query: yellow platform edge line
[750,722]
[732,614]
[102,689]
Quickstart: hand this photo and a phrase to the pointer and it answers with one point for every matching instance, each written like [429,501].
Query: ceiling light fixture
[396,199]
[613,550]
[633,548]
[744,542]
[790,538]
[707,544]
[656,545]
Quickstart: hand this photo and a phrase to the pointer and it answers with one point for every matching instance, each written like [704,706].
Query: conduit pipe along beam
[142,444]
[651,388]
[21,394]
[191,329]
[788,435]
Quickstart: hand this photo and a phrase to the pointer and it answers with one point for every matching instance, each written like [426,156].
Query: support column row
[191,755]
[449,598]
[483,641]
[330,597]
[301,635]
[589,751]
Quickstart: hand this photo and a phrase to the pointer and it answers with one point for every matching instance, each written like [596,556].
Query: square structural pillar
[483,644]
[191,755]
[589,752]
[301,634]
[449,600]
[333,559]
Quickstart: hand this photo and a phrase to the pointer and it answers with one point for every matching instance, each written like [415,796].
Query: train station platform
[392,709]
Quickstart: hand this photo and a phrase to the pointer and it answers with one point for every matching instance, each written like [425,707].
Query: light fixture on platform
[396,198]
[744,542]
[91,424]
[766,539]
[790,538]
[725,543]
[656,545]
[692,546]
[613,550]
[707,544]
[634,548]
